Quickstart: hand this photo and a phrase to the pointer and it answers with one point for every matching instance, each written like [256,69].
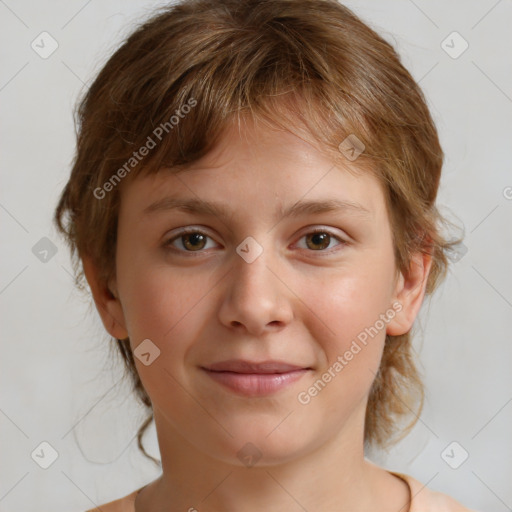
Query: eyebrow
[299,208]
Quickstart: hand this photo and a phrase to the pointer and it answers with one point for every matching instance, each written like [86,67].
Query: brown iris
[193,241]
[322,239]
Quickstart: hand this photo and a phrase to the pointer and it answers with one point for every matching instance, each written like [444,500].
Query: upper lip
[242,366]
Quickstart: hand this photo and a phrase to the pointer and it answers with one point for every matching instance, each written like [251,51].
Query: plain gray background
[59,383]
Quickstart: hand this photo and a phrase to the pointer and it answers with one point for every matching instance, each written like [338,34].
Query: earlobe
[409,292]
[107,302]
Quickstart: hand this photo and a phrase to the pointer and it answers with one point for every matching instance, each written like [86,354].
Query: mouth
[254,379]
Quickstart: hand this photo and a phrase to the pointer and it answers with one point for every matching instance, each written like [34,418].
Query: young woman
[253,205]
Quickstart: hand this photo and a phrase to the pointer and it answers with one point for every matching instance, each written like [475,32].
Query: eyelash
[189,231]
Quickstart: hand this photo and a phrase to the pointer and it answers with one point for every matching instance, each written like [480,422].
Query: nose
[256,298]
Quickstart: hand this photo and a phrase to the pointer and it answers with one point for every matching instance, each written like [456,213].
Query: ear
[107,303]
[409,292]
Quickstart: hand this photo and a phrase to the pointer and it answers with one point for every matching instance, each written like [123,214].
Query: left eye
[320,239]
[195,240]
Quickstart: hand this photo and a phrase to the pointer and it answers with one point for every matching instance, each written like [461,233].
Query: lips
[242,366]
[254,379]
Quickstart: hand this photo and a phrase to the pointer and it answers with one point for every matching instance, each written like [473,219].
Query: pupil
[193,239]
[320,239]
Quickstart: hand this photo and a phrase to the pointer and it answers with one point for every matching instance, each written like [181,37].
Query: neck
[333,476]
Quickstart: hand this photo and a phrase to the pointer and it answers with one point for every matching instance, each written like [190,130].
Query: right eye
[188,240]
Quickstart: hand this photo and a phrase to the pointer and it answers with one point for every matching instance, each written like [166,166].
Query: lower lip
[256,384]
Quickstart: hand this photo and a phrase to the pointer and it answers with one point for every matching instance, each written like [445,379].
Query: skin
[300,302]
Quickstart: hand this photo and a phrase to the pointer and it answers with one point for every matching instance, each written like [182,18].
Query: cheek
[348,304]
[347,312]
[156,297]
[161,308]
[166,306]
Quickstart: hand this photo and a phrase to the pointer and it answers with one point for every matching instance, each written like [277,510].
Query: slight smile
[253,379]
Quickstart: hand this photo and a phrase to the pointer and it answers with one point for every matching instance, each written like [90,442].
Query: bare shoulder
[427,500]
[445,503]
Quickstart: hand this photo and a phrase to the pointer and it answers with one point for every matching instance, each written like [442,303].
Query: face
[314,289]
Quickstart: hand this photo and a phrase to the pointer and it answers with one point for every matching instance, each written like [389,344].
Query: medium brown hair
[295,63]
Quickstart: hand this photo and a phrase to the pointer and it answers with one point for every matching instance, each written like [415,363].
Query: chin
[260,446]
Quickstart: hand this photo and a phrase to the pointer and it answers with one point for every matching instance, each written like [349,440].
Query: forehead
[256,167]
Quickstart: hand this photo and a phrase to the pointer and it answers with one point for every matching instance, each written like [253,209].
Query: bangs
[293,65]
